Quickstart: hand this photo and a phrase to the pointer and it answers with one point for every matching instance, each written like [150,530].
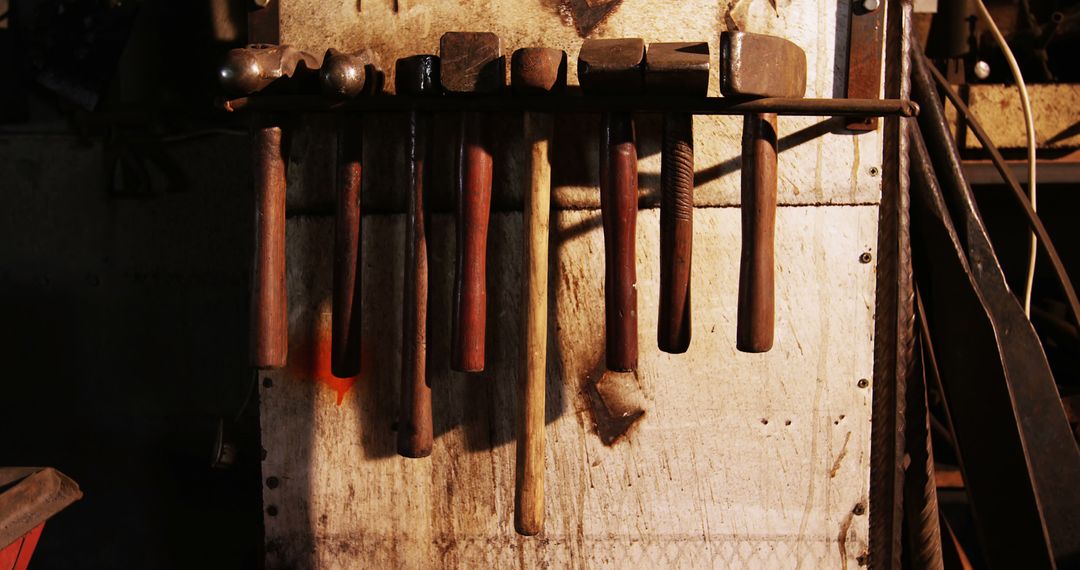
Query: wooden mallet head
[758,65]
[538,70]
[612,66]
[472,62]
[255,68]
[677,68]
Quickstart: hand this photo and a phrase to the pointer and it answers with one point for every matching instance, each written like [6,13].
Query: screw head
[982,69]
[261,3]
[865,257]
[871,5]
[863,382]
[860,509]
[874,171]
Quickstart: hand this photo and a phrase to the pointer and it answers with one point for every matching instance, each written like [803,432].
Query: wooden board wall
[740,460]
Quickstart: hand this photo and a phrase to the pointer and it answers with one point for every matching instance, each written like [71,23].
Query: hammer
[679,68]
[345,76]
[614,67]
[246,71]
[756,65]
[472,62]
[535,71]
[417,75]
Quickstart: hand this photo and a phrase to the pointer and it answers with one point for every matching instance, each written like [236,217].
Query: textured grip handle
[474,166]
[618,206]
[756,288]
[676,232]
[529,496]
[269,341]
[345,328]
[415,432]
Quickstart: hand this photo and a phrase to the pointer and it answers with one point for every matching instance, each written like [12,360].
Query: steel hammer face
[755,65]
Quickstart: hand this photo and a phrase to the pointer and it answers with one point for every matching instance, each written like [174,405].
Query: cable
[1033,220]
[1029,124]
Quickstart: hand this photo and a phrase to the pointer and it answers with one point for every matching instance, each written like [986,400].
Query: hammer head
[758,65]
[417,75]
[253,68]
[346,75]
[677,68]
[612,66]
[538,70]
[472,62]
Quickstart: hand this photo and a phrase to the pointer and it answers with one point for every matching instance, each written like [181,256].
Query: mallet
[535,71]
[246,71]
[756,65]
[417,75]
[680,68]
[472,62]
[614,67]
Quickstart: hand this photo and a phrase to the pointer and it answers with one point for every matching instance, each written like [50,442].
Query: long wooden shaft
[756,269]
[269,335]
[473,210]
[529,496]
[676,232]
[345,327]
[415,431]
[618,206]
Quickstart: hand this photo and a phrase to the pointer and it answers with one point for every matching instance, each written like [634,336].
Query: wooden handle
[618,205]
[676,232]
[269,342]
[755,326]
[473,209]
[345,328]
[415,431]
[529,496]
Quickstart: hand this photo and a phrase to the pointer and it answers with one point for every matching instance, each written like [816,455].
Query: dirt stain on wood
[840,457]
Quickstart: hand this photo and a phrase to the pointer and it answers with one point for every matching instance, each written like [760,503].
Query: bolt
[863,382]
[865,257]
[871,5]
[874,171]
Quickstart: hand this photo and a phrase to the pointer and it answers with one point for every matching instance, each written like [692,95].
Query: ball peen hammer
[614,67]
[246,71]
[471,62]
[417,75]
[535,71]
[345,76]
[678,68]
[757,65]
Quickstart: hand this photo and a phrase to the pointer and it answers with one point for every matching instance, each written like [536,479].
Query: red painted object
[16,556]
[28,497]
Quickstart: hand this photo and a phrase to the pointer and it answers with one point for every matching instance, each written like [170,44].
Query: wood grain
[474,173]
[618,204]
[529,467]
[676,233]
[415,431]
[269,314]
[757,265]
[345,339]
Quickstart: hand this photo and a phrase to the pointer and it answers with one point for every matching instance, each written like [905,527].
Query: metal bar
[591,104]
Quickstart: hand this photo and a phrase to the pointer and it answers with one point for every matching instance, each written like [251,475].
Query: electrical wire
[1034,222]
[1029,124]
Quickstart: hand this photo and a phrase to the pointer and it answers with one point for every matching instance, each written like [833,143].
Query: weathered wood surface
[1055,109]
[740,460]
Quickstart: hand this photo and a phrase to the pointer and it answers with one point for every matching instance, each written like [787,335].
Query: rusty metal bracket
[864,57]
